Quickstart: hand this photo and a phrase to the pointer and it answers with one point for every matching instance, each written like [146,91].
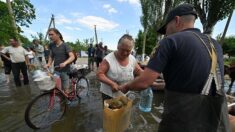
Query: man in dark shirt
[192,65]
[91,55]
[7,64]
[46,53]
[62,56]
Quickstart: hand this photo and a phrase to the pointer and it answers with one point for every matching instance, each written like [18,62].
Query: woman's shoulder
[132,57]
[110,55]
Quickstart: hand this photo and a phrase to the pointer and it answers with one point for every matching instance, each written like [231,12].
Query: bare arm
[50,60]
[27,60]
[138,70]
[5,56]
[70,59]
[101,75]
[141,82]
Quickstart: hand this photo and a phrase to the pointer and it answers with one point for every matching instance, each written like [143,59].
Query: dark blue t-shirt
[185,61]
[91,51]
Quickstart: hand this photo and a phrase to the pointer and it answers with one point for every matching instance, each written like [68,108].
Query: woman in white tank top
[118,68]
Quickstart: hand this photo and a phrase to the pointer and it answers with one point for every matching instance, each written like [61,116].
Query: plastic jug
[146,99]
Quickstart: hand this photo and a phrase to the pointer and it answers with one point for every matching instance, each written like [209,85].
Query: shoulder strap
[214,71]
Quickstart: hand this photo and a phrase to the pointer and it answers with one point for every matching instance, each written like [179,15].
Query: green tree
[212,11]
[152,18]
[78,46]
[229,45]
[24,13]
[40,36]
[6,30]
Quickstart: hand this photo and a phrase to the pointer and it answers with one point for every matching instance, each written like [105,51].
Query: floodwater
[85,116]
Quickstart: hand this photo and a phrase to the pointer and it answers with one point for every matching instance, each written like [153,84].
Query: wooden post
[52,21]
[96,38]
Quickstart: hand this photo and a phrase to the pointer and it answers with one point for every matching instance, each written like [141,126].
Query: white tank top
[117,73]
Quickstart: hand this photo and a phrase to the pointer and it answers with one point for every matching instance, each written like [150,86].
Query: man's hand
[124,88]
[31,66]
[47,66]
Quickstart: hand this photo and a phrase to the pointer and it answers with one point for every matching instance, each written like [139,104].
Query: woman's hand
[115,87]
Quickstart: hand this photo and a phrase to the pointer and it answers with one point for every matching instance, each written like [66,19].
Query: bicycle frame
[70,96]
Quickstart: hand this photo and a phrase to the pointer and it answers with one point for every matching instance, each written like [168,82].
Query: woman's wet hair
[125,36]
[57,32]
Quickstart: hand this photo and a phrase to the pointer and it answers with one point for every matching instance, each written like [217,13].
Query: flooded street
[85,116]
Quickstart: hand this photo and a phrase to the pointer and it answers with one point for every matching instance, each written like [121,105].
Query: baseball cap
[181,10]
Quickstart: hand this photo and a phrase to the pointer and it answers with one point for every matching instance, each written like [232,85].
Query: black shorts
[7,69]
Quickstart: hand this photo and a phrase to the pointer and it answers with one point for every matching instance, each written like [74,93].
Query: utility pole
[13,20]
[96,38]
[226,28]
[52,21]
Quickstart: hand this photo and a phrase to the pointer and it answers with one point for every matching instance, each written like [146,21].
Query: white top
[30,54]
[118,74]
[17,54]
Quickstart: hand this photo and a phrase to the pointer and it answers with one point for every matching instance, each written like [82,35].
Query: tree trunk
[13,19]
[144,42]
[96,38]
[168,6]
[226,28]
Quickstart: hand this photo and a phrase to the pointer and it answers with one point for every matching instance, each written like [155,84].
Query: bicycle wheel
[82,87]
[44,110]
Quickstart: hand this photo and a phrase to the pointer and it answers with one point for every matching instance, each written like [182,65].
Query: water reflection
[85,116]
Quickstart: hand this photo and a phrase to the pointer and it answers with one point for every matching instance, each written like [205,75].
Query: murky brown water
[84,117]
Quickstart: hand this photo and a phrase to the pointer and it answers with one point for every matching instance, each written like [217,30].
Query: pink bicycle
[50,106]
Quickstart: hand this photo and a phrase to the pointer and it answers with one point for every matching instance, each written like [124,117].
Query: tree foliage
[40,36]
[150,42]
[212,11]
[229,45]
[152,18]
[154,13]
[24,13]
[6,30]
[78,46]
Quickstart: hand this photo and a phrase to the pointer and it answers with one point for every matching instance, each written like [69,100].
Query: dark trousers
[98,61]
[16,69]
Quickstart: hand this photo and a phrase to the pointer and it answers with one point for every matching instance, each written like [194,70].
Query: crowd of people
[19,59]
[96,54]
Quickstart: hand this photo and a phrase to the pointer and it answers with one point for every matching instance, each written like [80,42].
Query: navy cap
[181,10]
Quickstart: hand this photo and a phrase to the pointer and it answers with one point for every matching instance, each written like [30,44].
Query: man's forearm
[5,56]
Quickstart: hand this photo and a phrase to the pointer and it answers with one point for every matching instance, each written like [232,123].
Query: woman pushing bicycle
[62,55]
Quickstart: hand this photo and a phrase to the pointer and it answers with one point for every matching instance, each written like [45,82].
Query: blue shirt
[185,61]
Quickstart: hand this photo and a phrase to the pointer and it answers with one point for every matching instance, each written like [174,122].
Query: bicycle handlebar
[48,70]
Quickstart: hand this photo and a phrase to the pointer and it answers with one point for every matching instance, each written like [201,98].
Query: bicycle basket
[73,73]
[45,83]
